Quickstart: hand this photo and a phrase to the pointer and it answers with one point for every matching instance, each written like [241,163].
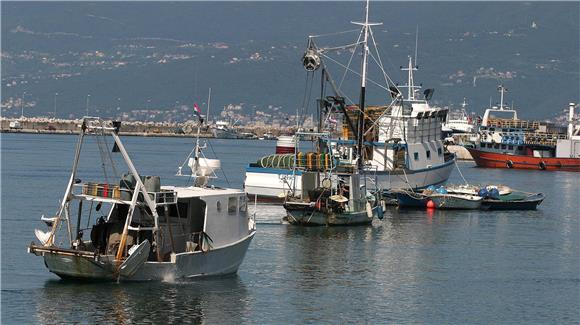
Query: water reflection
[208,301]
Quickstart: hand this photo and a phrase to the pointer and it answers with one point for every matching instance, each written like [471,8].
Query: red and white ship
[507,142]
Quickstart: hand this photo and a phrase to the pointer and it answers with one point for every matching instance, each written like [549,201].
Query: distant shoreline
[36,125]
[135,134]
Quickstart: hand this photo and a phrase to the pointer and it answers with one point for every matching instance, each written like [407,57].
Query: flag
[197,112]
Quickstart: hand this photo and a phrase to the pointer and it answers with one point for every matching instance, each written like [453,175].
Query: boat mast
[208,107]
[502,90]
[360,129]
[410,80]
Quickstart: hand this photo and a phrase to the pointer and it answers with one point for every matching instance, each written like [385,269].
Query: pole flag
[197,112]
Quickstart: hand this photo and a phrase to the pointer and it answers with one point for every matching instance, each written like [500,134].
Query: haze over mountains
[148,55]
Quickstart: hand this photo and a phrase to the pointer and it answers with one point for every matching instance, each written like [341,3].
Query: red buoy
[430,204]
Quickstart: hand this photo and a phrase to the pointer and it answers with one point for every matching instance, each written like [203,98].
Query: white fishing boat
[223,130]
[137,230]
[460,122]
[402,138]
[409,151]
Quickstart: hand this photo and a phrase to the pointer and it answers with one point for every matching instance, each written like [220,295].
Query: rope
[349,61]
[336,33]
[115,171]
[356,73]
[380,63]
[223,172]
[460,173]
[102,154]
[308,85]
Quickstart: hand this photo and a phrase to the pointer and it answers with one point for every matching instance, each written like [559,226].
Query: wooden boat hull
[219,261]
[456,202]
[310,216]
[501,160]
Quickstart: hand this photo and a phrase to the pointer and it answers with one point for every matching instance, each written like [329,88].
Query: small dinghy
[514,201]
[456,201]
[411,199]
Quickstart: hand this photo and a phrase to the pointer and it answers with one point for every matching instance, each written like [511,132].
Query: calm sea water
[413,267]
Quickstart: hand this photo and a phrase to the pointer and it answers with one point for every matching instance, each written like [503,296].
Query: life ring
[509,164]
[542,165]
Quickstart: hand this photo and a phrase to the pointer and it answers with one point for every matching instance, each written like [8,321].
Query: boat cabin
[191,219]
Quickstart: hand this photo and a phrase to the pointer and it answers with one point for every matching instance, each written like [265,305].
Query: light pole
[87,108]
[55,94]
[22,104]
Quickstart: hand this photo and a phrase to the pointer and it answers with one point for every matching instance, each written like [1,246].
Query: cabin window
[520,147]
[219,206]
[416,155]
[428,154]
[232,205]
[243,204]
[503,146]
[511,147]
[496,146]
[439,151]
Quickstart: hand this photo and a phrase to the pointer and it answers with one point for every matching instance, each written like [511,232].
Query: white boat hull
[218,261]
[224,134]
[271,185]
[415,179]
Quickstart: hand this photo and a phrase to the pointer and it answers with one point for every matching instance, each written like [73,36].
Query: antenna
[208,107]
[416,43]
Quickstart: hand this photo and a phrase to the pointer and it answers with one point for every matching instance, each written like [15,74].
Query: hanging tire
[509,164]
[542,165]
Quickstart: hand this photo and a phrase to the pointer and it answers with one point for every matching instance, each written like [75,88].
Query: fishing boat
[340,189]
[452,201]
[460,122]
[134,229]
[516,200]
[468,197]
[507,142]
[223,130]
[333,192]
[402,138]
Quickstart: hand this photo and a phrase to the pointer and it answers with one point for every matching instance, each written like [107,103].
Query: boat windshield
[506,115]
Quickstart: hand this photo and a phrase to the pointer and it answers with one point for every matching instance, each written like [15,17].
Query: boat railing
[111,193]
[510,123]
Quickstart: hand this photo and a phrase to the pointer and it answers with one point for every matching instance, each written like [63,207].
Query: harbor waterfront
[414,266]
